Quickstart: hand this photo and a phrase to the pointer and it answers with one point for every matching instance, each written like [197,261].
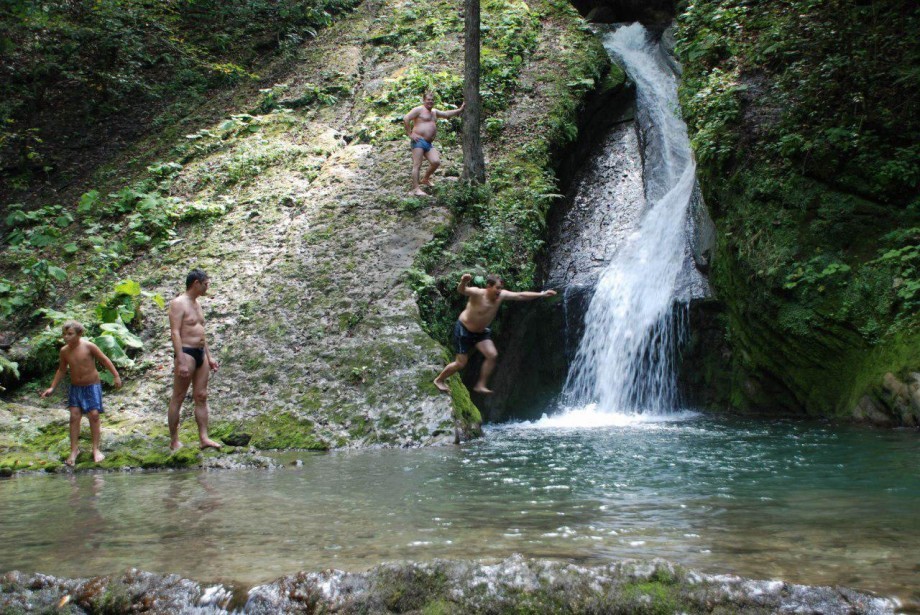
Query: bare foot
[98,456]
[418,192]
[441,386]
[482,390]
[175,446]
[208,443]
[426,182]
[72,459]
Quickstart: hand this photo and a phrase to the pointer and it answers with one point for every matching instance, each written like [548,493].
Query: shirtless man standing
[472,329]
[421,125]
[193,362]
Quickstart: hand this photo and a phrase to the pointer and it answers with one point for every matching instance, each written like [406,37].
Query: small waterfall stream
[636,318]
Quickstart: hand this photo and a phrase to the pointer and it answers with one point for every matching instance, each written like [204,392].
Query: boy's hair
[493,279]
[195,275]
[74,326]
[427,93]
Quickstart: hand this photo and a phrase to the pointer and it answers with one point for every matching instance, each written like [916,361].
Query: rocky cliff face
[307,233]
[808,162]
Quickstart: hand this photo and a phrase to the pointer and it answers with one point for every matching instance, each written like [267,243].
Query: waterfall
[635,322]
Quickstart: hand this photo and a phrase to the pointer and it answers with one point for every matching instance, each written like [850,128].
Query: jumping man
[472,328]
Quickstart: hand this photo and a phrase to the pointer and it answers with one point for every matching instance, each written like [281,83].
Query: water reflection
[799,501]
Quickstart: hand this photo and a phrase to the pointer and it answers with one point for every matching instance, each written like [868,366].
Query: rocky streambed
[515,585]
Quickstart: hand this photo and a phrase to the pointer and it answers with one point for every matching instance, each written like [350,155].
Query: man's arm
[106,362]
[58,375]
[463,287]
[527,295]
[207,355]
[447,114]
[175,333]
[408,120]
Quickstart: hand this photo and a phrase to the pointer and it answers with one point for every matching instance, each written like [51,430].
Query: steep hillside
[295,204]
[804,120]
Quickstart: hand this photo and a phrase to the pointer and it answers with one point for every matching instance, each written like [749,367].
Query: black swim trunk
[466,340]
[195,353]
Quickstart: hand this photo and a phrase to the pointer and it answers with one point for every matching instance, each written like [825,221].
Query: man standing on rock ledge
[193,362]
[421,126]
[472,328]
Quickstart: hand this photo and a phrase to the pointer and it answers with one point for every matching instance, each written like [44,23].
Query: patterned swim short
[86,398]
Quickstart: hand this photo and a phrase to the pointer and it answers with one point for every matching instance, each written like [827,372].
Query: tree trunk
[474,166]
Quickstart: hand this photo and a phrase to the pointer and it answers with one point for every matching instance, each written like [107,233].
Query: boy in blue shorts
[85,397]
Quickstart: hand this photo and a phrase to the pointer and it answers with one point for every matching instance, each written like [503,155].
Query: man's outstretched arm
[447,114]
[527,295]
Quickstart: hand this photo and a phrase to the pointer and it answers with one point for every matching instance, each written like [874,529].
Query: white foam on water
[591,416]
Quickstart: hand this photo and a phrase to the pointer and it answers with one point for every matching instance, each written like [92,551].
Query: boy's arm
[58,375]
[527,295]
[447,114]
[106,362]
[407,121]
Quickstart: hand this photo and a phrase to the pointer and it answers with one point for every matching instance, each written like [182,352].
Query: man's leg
[180,388]
[417,154]
[451,369]
[490,354]
[434,161]
[200,395]
[95,428]
[75,417]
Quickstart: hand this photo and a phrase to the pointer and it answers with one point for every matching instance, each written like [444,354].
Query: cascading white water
[625,360]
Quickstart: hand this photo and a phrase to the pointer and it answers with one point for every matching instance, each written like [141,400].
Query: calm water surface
[805,502]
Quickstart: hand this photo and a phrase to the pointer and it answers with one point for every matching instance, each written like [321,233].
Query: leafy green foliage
[809,163]
[112,326]
[904,259]
[509,35]
[807,152]
[9,371]
[831,80]
[69,64]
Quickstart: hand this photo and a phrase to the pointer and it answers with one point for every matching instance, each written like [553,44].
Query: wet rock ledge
[516,585]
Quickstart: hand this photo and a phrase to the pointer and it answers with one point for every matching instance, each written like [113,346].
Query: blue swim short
[466,340]
[86,398]
[421,143]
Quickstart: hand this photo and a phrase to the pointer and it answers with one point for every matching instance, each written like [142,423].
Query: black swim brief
[195,353]
[466,340]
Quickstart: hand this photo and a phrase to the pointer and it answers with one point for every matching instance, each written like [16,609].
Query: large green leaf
[121,333]
[157,298]
[109,346]
[57,273]
[128,287]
